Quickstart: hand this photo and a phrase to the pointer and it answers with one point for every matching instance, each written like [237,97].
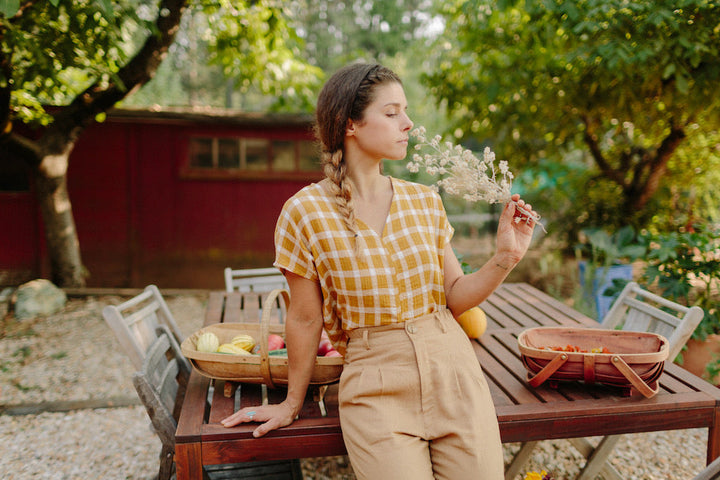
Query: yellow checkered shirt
[396,277]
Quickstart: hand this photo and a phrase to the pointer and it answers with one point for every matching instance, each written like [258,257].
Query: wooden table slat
[553,305]
[214,309]
[508,310]
[222,406]
[496,318]
[528,307]
[251,305]
[515,389]
[233,309]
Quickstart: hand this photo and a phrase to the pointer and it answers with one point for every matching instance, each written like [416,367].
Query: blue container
[601,281]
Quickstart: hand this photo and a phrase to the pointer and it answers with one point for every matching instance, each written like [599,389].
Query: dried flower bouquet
[465,175]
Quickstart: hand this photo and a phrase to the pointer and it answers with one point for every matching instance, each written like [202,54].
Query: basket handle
[548,370]
[634,378]
[265,330]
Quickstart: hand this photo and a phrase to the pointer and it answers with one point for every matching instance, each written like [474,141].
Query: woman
[368,258]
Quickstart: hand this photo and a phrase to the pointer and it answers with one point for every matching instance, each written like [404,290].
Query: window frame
[215,172]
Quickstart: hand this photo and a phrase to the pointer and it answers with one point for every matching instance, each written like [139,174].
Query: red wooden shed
[169,197]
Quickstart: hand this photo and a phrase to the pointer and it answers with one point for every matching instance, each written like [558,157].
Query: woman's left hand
[515,229]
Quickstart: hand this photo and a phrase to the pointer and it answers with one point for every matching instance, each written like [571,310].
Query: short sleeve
[292,242]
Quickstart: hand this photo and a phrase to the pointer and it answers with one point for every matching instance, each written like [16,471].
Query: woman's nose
[408,123]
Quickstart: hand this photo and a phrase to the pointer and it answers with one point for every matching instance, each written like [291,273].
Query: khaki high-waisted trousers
[415,405]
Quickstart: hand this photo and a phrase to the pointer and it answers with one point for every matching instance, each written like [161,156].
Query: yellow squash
[231,348]
[208,342]
[244,341]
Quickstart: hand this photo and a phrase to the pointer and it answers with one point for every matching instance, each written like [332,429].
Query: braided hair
[345,97]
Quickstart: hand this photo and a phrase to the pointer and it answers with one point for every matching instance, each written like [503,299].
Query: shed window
[228,153]
[308,157]
[243,156]
[255,154]
[284,156]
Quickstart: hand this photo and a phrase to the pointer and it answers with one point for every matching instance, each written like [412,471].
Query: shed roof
[208,115]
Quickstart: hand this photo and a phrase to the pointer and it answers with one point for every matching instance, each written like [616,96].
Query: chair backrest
[254,280]
[638,310]
[135,321]
[164,371]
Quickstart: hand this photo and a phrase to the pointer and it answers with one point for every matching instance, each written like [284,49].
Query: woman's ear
[350,128]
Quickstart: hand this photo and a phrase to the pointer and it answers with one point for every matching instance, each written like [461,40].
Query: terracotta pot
[699,354]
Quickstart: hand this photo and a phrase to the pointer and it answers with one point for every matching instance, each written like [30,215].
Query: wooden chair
[135,321]
[637,310]
[254,279]
[711,472]
[255,284]
[160,384]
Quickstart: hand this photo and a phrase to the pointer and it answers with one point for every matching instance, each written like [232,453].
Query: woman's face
[384,129]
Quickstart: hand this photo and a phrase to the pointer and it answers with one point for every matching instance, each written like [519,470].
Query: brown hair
[345,97]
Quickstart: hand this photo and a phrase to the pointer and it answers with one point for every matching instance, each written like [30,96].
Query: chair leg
[167,463]
[597,457]
[519,460]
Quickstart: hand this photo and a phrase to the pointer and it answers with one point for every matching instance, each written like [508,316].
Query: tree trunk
[61,236]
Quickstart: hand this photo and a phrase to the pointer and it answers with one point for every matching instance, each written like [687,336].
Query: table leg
[188,461]
[713,447]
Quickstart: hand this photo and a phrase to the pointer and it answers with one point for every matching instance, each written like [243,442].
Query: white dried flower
[464,174]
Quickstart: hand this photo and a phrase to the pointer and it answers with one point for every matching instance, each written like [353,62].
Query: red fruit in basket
[324,346]
[333,353]
[275,342]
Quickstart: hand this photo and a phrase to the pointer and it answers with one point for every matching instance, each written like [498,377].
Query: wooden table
[524,413]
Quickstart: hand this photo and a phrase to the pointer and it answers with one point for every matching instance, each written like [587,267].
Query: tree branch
[20,148]
[102,96]
[592,143]
[656,168]
[647,166]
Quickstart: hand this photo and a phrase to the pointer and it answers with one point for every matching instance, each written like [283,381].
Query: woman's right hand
[271,417]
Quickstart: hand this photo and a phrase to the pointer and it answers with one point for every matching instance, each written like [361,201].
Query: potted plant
[608,267]
[685,267]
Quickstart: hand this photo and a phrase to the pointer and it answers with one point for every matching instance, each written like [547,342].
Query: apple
[324,346]
[275,342]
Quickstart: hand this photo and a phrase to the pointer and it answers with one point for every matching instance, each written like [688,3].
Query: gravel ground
[74,357]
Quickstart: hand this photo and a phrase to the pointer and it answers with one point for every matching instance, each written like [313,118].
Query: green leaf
[682,83]
[9,8]
[106,7]
[669,70]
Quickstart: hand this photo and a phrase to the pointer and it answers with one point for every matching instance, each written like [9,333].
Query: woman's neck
[368,182]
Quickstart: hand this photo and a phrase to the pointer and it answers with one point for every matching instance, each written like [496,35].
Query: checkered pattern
[394,278]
